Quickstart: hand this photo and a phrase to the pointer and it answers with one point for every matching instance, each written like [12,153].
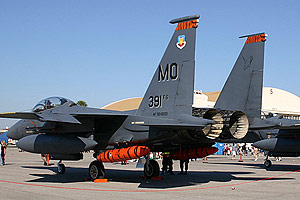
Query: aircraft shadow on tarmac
[276,166]
[72,174]
[193,178]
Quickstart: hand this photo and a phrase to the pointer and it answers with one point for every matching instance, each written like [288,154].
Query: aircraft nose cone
[19,129]
[266,144]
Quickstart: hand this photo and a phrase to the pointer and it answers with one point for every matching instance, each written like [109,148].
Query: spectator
[167,164]
[3,149]
[186,165]
[233,152]
[255,154]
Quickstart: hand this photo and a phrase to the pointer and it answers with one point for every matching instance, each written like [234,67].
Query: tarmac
[25,177]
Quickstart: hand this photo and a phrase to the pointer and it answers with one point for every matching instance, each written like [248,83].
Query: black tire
[151,169]
[267,163]
[61,168]
[96,170]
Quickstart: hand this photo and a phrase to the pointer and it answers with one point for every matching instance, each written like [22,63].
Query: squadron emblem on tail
[181,42]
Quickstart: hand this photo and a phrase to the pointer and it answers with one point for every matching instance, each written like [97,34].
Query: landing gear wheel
[267,163]
[96,170]
[61,168]
[151,169]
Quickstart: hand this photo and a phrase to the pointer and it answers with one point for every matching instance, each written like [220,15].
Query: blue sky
[104,51]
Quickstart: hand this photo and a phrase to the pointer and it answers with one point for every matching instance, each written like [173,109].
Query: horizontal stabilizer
[174,123]
[259,124]
[277,122]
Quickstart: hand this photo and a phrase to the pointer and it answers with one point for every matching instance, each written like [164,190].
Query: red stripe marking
[33,123]
[159,190]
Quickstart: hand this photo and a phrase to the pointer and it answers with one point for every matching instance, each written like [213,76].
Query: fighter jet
[163,122]
[281,142]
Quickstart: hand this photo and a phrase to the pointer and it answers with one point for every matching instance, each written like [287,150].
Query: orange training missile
[199,152]
[123,154]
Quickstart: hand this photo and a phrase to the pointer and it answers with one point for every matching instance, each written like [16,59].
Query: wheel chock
[143,177]
[157,178]
[102,180]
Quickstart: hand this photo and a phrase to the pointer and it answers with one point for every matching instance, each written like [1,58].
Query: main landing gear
[61,168]
[151,168]
[96,170]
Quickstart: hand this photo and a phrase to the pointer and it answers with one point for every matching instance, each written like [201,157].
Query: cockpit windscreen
[50,102]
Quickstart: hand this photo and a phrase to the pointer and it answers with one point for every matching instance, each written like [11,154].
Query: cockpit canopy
[50,102]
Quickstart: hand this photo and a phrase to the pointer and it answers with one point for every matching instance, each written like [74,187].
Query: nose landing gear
[61,168]
[267,163]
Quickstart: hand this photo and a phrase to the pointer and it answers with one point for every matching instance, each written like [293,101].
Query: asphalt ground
[25,177]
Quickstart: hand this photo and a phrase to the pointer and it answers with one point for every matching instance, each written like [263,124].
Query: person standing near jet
[3,148]
[164,163]
[186,165]
[1,152]
[167,164]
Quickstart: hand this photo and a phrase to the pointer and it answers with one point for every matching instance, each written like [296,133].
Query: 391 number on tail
[156,101]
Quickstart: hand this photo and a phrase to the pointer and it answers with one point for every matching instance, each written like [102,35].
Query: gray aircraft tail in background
[239,102]
[243,88]
[243,91]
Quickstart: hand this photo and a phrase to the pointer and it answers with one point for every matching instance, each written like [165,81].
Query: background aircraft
[243,92]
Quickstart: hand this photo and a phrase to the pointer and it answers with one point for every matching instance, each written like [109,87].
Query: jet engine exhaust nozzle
[213,131]
[238,125]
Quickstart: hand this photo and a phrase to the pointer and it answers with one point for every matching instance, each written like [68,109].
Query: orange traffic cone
[241,157]
[47,156]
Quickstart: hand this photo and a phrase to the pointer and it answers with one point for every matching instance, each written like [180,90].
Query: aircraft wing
[174,123]
[174,126]
[277,122]
[63,116]
[95,112]
[19,115]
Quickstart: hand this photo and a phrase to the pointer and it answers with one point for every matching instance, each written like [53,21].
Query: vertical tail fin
[171,89]
[243,88]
